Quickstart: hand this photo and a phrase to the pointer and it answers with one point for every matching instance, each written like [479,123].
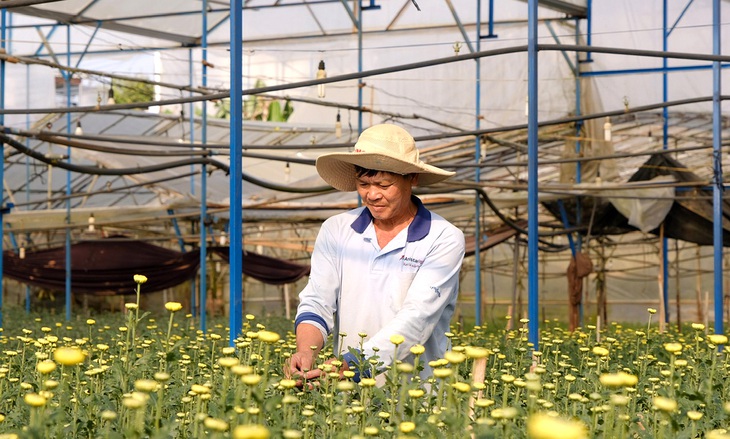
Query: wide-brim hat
[383,147]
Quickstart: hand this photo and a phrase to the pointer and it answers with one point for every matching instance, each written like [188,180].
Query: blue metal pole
[477,159]
[665,137]
[68,77]
[578,166]
[359,69]
[236,239]
[589,28]
[491,20]
[204,182]
[717,189]
[3,39]
[191,113]
[532,224]
[27,172]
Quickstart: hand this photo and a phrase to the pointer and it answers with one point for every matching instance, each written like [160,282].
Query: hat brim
[338,169]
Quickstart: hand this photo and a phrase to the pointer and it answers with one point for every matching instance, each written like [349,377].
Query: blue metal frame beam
[3,42]
[236,195]
[555,36]
[717,168]
[204,180]
[532,182]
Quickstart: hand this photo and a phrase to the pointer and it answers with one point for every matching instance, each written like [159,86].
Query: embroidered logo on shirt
[437,291]
[411,262]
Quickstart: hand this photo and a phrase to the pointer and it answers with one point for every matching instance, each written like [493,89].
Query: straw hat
[384,147]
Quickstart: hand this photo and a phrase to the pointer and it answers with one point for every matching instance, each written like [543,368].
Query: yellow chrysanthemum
[68,356]
[694,415]
[173,306]
[476,352]
[544,426]
[140,279]
[418,349]
[665,404]
[215,424]
[251,431]
[34,400]
[717,339]
[269,336]
[45,367]
[397,339]
[454,357]
[407,426]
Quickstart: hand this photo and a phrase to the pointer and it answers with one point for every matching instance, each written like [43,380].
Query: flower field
[138,375]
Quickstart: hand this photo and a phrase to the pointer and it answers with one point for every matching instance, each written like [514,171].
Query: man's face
[386,195]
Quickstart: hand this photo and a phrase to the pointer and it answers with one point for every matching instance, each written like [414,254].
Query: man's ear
[414,179]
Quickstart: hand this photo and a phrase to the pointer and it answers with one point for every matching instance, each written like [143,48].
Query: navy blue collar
[417,230]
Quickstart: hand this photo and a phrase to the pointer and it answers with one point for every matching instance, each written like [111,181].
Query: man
[388,268]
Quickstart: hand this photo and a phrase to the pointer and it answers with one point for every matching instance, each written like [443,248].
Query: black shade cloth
[265,268]
[108,266]
[690,218]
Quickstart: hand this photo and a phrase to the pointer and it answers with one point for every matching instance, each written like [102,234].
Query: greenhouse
[163,152]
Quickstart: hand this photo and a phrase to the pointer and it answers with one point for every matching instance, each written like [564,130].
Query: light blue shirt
[408,288]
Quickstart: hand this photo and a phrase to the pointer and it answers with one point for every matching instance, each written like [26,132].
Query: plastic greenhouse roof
[177,23]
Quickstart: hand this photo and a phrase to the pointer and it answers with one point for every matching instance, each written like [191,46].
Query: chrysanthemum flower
[140,279]
[145,385]
[664,404]
[199,389]
[251,431]
[694,415]
[397,339]
[34,400]
[418,349]
[45,367]
[454,357]
[476,352]
[68,356]
[268,336]
[173,306]
[407,426]
[543,426]
[215,424]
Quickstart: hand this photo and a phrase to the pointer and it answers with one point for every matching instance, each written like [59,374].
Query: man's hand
[301,365]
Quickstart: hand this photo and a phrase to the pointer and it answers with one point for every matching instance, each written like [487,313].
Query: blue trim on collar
[417,230]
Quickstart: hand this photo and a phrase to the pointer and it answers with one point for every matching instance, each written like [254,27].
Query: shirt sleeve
[318,299]
[433,290]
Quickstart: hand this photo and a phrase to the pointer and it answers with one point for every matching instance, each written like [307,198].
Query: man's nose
[374,193]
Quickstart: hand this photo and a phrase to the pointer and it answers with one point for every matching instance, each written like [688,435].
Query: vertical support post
[68,77]
[191,112]
[3,39]
[360,84]
[204,181]
[717,189]
[579,164]
[236,206]
[532,189]
[477,159]
[589,29]
[665,137]
[491,21]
